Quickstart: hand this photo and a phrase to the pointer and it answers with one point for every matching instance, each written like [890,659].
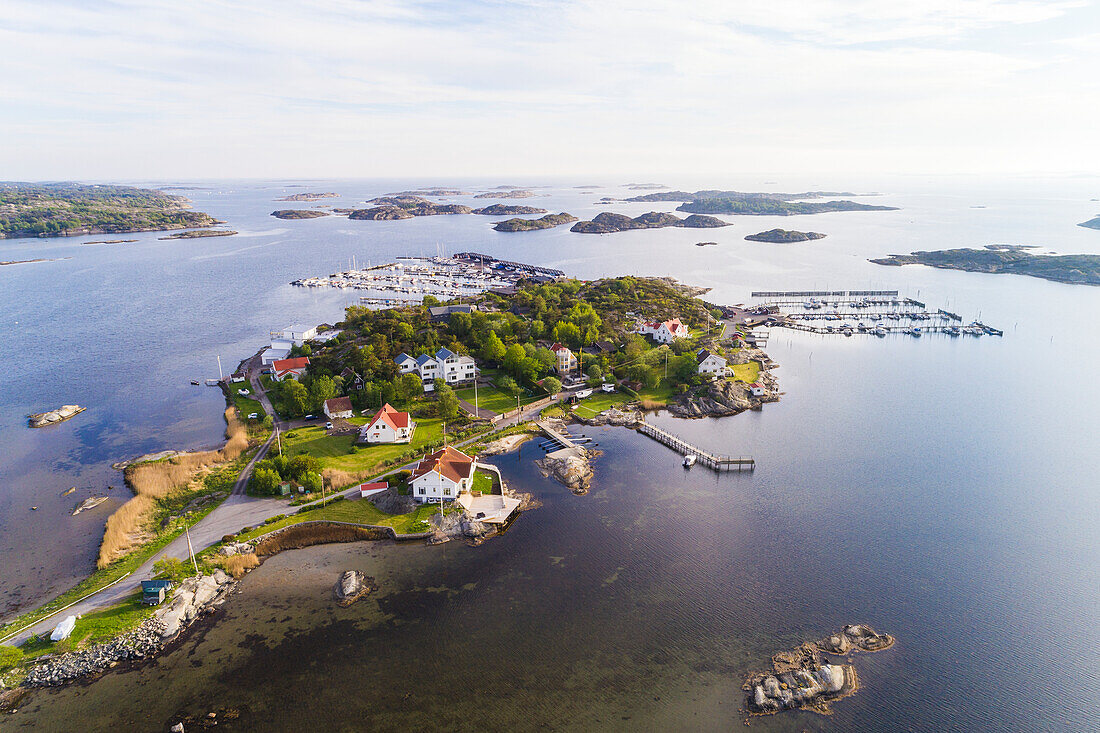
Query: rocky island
[806,677]
[505,210]
[1093,223]
[52,417]
[379,213]
[419,206]
[309,196]
[713,201]
[511,193]
[783,236]
[298,214]
[609,222]
[67,209]
[199,234]
[1081,269]
[526,225]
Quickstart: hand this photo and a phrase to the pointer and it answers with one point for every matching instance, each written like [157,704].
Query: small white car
[243,392]
[607,387]
[253,416]
[328,426]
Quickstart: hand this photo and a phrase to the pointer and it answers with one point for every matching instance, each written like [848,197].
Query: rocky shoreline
[193,597]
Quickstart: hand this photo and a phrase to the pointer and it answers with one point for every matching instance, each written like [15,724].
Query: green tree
[312,481]
[269,422]
[508,385]
[295,398]
[568,334]
[446,402]
[594,371]
[323,388]
[264,482]
[552,385]
[513,360]
[493,349]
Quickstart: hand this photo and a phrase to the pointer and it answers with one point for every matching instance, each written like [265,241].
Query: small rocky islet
[526,225]
[298,214]
[507,210]
[309,196]
[52,417]
[1093,223]
[200,234]
[784,236]
[806,678]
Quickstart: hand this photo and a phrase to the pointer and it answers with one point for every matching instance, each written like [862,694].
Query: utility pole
[220,375]
[279,439]
[191,550]
[477,413]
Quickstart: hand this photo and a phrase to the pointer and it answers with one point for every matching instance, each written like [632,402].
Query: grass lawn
[335,451]
[483,482]
[488,398]
[358,511]
[747,373]
[246,406]
[662,393]
[601,401]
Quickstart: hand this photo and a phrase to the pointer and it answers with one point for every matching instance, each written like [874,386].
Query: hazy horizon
[544,88]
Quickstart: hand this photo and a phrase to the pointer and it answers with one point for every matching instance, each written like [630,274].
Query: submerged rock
[352,586]
[52,417]
[570,467]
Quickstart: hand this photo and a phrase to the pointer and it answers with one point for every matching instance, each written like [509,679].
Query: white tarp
[63,629]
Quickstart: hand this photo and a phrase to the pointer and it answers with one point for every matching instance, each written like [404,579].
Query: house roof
[423,359]
[444,354]
[451,463]
[377,485]
[559,347]
[391,417]
[674,325]
[757,385]
[402,358]
[703,355]
[338,404]
[445,310]
[286,365]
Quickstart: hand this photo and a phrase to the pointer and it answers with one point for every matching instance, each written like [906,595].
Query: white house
[711,364]
[338,407]
[664,332]
[388,426]
[446,365]
[442,476]
[284,368]
[567,361]
[283,341]
[756,389]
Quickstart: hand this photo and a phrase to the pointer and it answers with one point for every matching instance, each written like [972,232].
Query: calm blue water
[941,489]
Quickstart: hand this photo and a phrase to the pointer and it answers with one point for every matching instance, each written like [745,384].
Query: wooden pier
[718,463]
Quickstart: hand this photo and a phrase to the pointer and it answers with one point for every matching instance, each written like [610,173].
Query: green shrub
[9,657]
[276,518]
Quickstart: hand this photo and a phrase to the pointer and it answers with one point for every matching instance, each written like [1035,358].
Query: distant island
[645,186]
[783,236]
[110,241]
[757,203]
[419,206]
[609,222]
[298,214]
[431,192]
[526,225]
[706,244]
[309,196]
[200,233]
[1093,223]
[511,193]
[1012,259]
[506,210]
[379,213]
[68,209]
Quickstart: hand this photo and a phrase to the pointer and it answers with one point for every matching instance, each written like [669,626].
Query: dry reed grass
[152,481]
[238,565]
[337,479]
[648,404]
[304,535]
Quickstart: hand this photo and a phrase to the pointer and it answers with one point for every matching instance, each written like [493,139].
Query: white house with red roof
[338,407]
[757,389]
[388,426]
[284,368]
[664,332]
[442,476]
[371,489]
[567,361]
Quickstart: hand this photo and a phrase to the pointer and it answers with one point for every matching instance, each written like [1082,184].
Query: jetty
[710,460]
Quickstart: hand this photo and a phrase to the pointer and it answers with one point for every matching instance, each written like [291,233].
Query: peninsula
[783,236]
[609,222]
[68,209]
[526,225]
[1093,223]
[1083,269]
[298,214]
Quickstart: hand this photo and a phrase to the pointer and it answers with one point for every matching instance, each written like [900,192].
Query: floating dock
[716,462]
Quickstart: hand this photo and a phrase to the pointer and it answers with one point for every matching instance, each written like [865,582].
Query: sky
[126,89]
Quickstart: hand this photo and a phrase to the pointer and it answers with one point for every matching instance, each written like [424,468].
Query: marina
[409,279]
[869,312]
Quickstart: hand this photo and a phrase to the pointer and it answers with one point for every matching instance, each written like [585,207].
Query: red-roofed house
[377,487]
[338,407]
[664,332]
[567,362]
[442,476]
[388,426]
[757,389]
[284,368]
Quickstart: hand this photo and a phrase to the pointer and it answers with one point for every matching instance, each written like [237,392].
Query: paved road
[237,511]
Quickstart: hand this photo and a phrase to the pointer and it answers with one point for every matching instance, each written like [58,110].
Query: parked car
[608,387]
[253,416]
[328,426]
[310,417]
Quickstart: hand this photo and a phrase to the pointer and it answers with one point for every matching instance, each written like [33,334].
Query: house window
[446,492]
[422,491]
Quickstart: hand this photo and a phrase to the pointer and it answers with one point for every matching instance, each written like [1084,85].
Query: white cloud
[212,87]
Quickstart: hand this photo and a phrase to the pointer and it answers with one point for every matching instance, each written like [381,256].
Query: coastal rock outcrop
[391,502]
[298,214]
[806,678]
[570,467]
[52,417]
[352,586]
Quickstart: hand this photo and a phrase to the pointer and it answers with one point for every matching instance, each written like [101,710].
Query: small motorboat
[689,460]
[195,382]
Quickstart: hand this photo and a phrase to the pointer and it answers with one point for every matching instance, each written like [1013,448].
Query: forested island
[1011,259]
[67,209]
[526,225]
[506,210]
[298,214]
[510,193]
[713,201]
[783,236]
[1093,223]
[609,222]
